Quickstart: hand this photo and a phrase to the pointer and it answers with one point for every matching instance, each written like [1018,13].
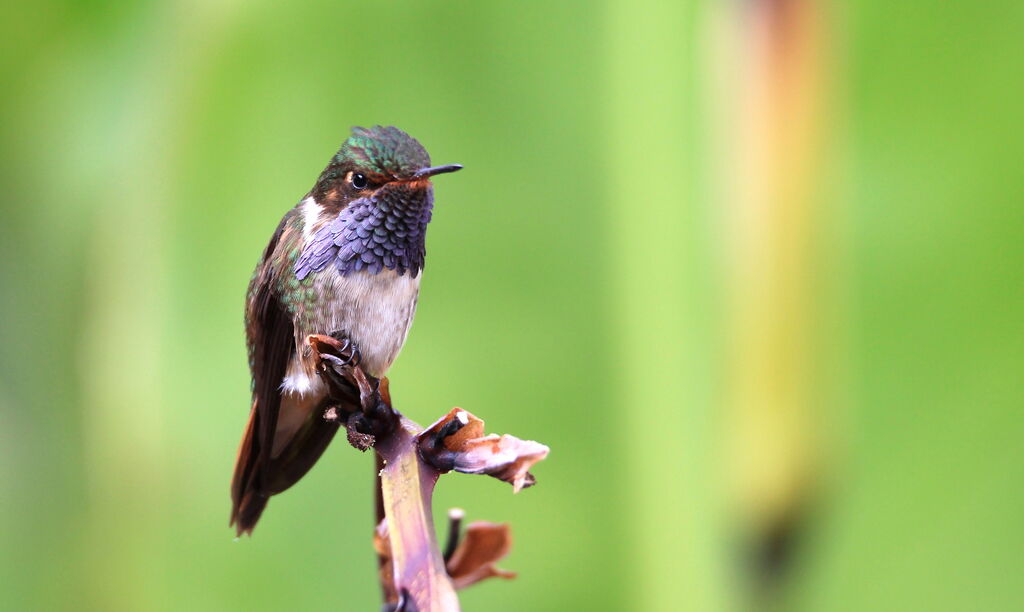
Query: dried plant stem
[414,575]
[378,507]
[406,486]
[455,516]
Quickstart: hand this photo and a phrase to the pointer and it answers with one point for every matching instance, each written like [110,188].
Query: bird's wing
[271,346]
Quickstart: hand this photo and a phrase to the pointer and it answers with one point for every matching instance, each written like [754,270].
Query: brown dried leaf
[483,545]
[457,442]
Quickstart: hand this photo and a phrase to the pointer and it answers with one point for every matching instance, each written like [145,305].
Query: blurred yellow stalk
[771,121]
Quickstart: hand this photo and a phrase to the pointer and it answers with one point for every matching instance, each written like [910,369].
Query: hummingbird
[346,261]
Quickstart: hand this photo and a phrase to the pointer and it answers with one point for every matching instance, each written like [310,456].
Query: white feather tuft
[301,384]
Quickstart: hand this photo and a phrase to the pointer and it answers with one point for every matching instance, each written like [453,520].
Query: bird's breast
[374,310]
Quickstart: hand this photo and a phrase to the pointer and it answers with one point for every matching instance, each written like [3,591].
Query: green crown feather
[385,150]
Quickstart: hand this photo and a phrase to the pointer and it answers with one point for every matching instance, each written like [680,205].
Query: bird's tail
[247,500]
[258,476]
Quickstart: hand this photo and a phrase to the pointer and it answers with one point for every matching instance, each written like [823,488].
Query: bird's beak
[435,170]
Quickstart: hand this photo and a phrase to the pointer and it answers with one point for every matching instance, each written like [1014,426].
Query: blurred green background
[755,277]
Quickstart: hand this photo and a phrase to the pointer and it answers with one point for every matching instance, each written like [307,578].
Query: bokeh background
[752,269]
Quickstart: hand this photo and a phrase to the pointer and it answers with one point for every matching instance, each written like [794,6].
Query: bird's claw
[337,361]
[359,400]
[348,352]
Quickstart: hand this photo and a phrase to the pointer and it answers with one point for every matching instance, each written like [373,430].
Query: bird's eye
[358,181]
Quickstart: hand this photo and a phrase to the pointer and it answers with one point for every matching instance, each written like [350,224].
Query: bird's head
[384,165]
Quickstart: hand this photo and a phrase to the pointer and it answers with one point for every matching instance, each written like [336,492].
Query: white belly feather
[375,310]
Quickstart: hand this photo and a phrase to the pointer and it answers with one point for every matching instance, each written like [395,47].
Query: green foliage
[150,149]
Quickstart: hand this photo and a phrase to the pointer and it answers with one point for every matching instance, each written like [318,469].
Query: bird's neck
[383,234]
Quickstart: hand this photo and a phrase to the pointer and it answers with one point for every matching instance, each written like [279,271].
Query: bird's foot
[337,362]
[360,401]
[347,349]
